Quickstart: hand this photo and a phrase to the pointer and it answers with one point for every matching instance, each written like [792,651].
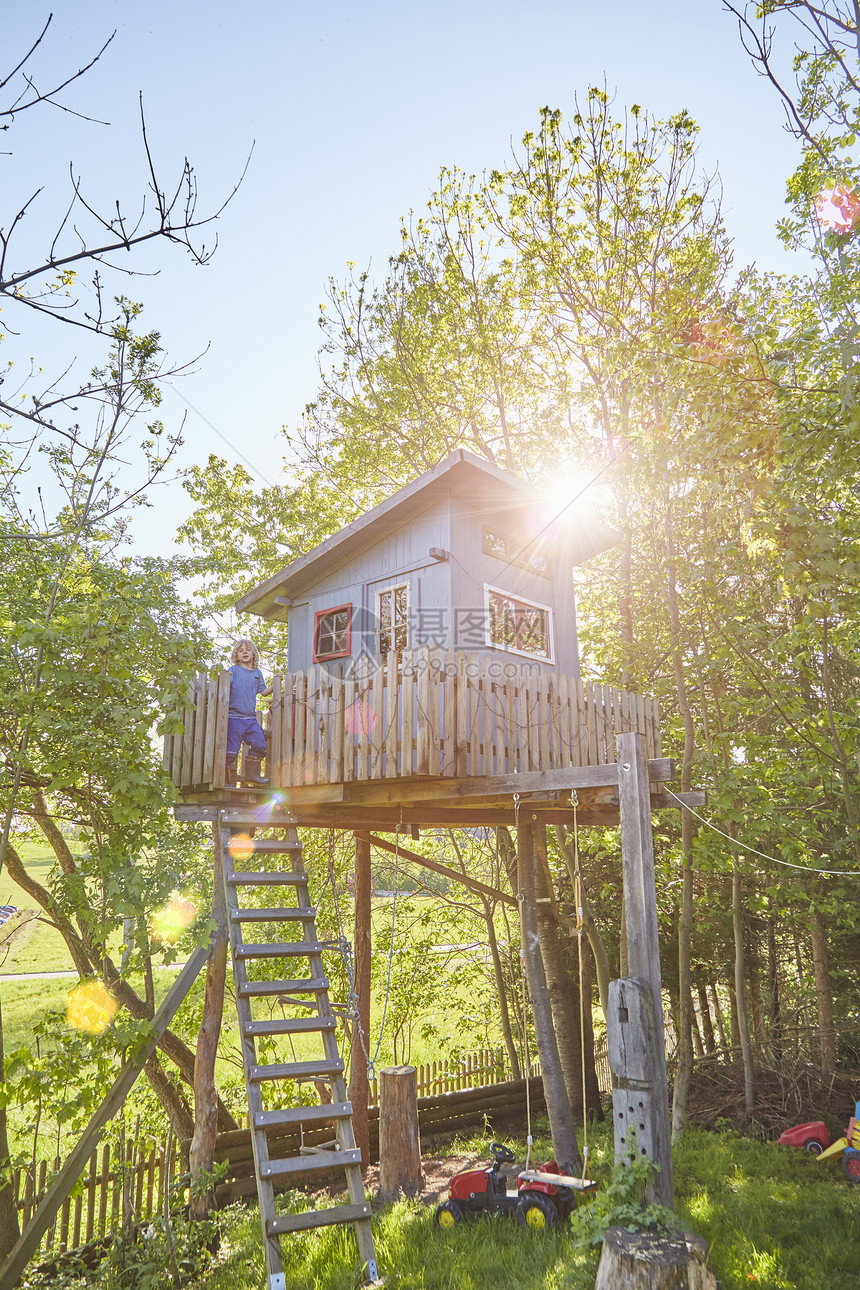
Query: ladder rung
[276,846]
[278,950]
[273,915]
[297,1070]
[302,1115]
[284,1223]
[262,989]
[261,817]
[245,879]
[289,1025]
[314,1160]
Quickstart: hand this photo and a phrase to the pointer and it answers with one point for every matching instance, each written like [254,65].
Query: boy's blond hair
[244,641]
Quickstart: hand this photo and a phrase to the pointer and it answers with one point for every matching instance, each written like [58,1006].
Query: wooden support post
[358,1088]
[399,1142]
[643,949]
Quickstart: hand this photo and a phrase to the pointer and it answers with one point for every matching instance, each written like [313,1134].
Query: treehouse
[434,680]
[434,668]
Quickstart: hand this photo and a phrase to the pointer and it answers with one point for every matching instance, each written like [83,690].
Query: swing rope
[525,993]
[580,921]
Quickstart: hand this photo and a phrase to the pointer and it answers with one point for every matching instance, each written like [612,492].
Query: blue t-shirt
[245,685]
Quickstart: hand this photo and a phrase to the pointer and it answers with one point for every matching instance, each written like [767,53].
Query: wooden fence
[119,1182]
[423,712]
[131,1179]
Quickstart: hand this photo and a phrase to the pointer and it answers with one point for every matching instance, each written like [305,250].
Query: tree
[78,698]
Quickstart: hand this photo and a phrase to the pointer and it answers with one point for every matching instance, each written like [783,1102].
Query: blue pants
[245,730]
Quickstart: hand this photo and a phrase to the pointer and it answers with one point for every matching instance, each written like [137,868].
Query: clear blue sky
[352,108]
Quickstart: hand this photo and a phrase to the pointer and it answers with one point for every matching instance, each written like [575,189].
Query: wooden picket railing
[424,712]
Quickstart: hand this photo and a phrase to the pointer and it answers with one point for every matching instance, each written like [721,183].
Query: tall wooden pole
[643,946]
[358,1083]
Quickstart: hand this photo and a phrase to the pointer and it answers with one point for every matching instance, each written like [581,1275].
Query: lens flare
[241,846]
[91,1007]
[169,923]
[359,719]
[838,209]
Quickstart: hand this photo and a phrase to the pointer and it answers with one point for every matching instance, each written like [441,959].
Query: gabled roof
[461,474]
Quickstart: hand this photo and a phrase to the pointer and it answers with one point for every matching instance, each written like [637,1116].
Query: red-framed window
[332,633]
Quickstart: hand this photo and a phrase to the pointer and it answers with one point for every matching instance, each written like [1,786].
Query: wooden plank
[348,720]
[208,768]
[473,692]
[338,724]
[434,709]
[103,1189]
[188,739]
[658,737]
[407,713]
[276,730]
[510,719]
[449,721]
[392,712]
[312,731]
[424,714]
[488,720]
[301,722]
[57,1194]
[561,780]
[322,705]
[312,1218]
[222,706]
[176,763]
[545,714]
[533,710]
[328,1112]
[643,947]
[566,687]
[377,721]
[591,724]
[91,1196]
[461,744]
[199,728]
[288,744]
[363,713]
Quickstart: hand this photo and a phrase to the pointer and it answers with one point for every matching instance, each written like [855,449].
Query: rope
[805,868]
[351,1011]
[391,943]
[525,1016]
[574,801]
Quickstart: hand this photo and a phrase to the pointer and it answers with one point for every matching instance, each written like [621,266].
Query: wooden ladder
[342,1151]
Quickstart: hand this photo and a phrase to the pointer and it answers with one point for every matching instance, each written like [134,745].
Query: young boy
[246,682]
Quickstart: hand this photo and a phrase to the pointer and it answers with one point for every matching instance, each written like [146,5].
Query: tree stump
[399,1141]
[651,1261]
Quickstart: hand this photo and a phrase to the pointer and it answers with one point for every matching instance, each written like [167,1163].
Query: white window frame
[531,604]
[382,591]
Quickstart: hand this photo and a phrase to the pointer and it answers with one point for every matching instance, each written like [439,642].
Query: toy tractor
[543,1197]
[848,1148]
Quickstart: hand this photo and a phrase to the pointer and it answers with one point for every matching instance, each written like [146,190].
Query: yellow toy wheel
[536,1212]
[448,1215]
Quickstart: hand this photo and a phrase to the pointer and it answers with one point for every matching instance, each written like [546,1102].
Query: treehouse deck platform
[429,737]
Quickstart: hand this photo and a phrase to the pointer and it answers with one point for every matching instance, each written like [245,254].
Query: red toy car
[813,1137]
[543,1196]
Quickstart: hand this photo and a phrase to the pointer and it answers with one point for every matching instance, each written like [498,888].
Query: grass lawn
[40,948]
[775,1220]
